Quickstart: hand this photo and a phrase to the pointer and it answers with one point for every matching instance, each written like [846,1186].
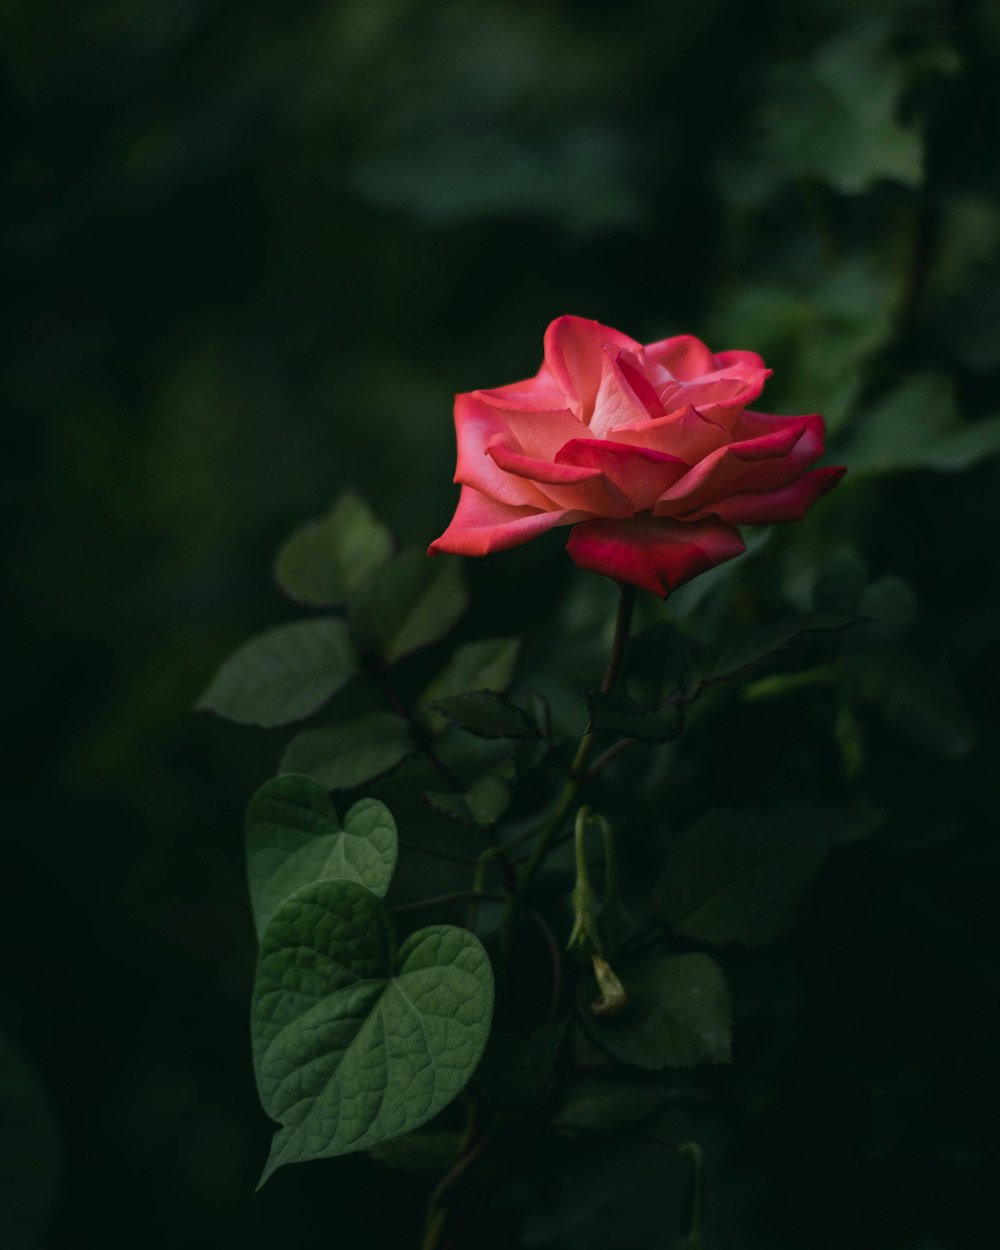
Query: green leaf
[676,1016]
[516,1071]
[834,117]
[601,1103]
[752,648]
[412,602]
[739,876]
[487,665]
[653,663]
[294,837]
[283,675]
[351,754]
[824,323]
[327,561]
[917,426]
[482,804]
[621,715]
[352,1043]
[487,714]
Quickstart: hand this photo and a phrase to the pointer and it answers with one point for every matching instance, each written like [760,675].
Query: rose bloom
[649,452]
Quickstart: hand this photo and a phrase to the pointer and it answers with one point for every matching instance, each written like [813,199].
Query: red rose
[649,453]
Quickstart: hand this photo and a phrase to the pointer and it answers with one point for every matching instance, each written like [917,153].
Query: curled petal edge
[654,554]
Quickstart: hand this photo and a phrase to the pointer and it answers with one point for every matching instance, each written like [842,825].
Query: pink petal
[686,433]
[656,555]
[684,356]
[788,503]
[633,371]
[481,525]
[535,433]
[762,463]
[574,358]
[741,360]
[715,391]
[476,424]
[620,395]
[640,474]
[531,395]
[566,486]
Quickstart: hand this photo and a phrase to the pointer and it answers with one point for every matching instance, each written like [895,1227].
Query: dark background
[249,253]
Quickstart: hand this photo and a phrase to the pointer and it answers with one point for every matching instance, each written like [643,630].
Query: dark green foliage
[294,837]
[413,602]
[283,675]
[250,256]
[327,562]
[354,1041]
[736,656]
[487,714]
[623,716]
[738,876]
[487,665]
[352,753]
[677,1014]
[517,1072]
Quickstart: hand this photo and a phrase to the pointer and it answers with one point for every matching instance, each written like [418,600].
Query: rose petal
[788,503]
[763,463]
[574,358]
[539,392]
[482,525]
[617,402]
[686,433]
[683,356]
[642,475]
[711,393]
[749,361]
[537,433]
[634,371]
[653,554]
[567,486]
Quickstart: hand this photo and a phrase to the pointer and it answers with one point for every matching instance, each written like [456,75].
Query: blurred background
[250,251]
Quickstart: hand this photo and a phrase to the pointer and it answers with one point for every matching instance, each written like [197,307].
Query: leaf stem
[612,753]
[575,779]
[577,772]
[437,1212]
[697,1193]
[441,900]
[436,853]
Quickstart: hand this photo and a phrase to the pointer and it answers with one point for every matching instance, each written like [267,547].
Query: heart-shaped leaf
[295,837]
[676,1014]
[283,675]
[352,1043]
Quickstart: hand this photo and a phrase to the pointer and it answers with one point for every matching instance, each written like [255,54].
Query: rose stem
[437,1212]
[574,781]
[577,772]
